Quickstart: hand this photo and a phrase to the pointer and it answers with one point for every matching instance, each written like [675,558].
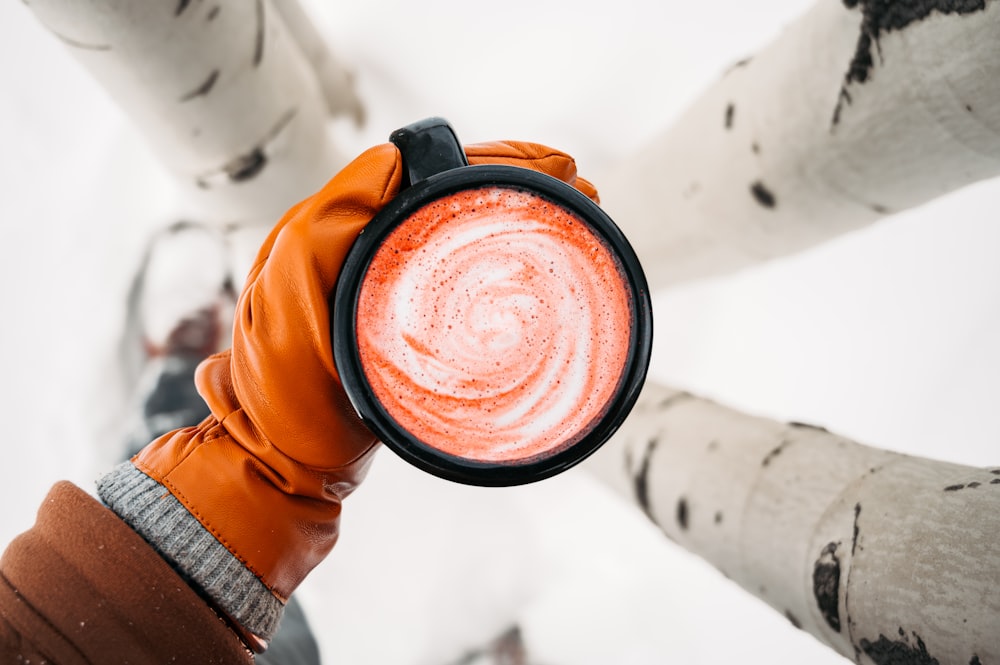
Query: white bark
[220,89]
[335,80]
[875,553]
[885,557]
[790,148]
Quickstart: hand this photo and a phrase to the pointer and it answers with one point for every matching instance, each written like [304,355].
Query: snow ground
[886,335]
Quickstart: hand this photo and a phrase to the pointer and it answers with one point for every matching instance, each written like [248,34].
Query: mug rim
[344,307]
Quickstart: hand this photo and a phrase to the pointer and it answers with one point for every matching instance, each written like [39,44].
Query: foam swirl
[494,325]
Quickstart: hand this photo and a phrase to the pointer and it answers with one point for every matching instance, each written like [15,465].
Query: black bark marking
[69,41]
[953,488]
[736,65]
[975,660]
[898,652]
[258,45]
[203,89]
[854,541]
[792,620]
[968,107]
[718,517]
[212,13]
[763,195]
[641,480]
[818,428]
[682,513]
[730,110]
[879,209]
[879,17]
[774,453]
[995,481]
[250,163]
[973,485]
[826,585]
[995,472]
[755,147]
[181,6]
[247,166]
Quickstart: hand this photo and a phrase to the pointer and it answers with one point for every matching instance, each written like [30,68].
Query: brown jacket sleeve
[82,587]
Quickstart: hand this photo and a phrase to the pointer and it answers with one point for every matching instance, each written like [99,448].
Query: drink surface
[494,325]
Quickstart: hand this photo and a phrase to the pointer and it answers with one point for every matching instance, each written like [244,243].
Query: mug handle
[428,147]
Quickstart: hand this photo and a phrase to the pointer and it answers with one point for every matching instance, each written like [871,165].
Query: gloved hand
[265,474]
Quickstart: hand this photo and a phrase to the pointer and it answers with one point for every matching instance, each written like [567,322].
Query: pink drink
[494,325]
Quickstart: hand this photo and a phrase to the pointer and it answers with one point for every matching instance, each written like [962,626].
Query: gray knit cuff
[150,509]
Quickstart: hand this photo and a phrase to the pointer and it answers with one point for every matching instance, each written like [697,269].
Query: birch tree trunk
[857,110]
[887,558]
[221,90]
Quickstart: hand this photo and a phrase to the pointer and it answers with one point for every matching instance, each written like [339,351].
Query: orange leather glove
[265,474]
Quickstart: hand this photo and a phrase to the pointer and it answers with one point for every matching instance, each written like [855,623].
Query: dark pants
[294,644]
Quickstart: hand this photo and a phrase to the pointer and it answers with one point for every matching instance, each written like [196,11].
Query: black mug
[491,324]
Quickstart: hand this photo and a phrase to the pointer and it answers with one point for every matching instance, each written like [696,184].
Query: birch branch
[858,110]
[335,80]
[886,558]
[221,90]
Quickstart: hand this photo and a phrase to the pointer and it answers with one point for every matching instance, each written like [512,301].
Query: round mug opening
[537,369]
[494,325]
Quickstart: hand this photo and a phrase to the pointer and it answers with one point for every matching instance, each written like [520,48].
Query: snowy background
[887,335]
